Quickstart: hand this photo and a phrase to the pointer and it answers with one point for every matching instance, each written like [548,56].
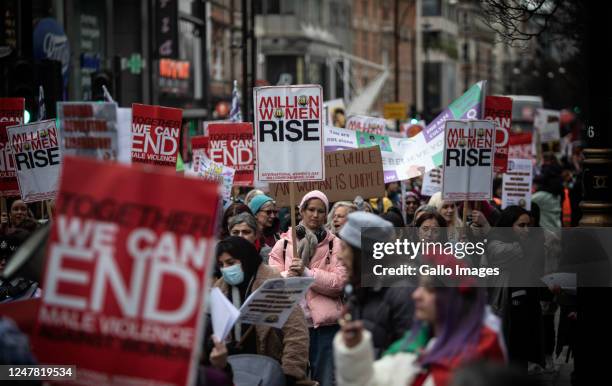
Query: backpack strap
[331,249]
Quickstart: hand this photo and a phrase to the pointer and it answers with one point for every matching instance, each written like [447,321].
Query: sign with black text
[289,133]
[469,147]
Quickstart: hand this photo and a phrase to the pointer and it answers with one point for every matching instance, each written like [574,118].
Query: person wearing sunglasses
[412,204]
[266,213]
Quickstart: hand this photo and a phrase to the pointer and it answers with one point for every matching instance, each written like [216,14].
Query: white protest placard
[38,159]
[272,303]
[516,184]
[88,129]
[403,158]
[432,182]
[334,113]
[289,133]
[370,125]
[124,135]
[546,123]
[565,280]
[223,314]
[469,147]
[203,167]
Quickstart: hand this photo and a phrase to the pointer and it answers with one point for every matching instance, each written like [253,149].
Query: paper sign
[370,125]
[11,113]
[394,111]
[516,184]
[155,134]
[547,124]
[289,133]
[335,111]
[124,135]
[223,314]
[469,147]
[231,144]
[272,303]
[38,159]
[499,110]
[126,274]
[432,182]
[397,153]
[565,280]
[88,129]
[346,172]
[202,167]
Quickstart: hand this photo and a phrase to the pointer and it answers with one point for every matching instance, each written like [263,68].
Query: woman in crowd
[386,311]
[244,225]
[338,214]
[231,211]
[425,208]
[242,273]
[19,217]
[515,295]
[264,209]
[318,252]
[413,202]
[448,210]
[451,328]
[429,227]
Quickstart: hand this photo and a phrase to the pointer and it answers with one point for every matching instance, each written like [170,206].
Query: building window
[432,7]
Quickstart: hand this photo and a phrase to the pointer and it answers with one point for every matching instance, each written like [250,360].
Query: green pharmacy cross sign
[134,63]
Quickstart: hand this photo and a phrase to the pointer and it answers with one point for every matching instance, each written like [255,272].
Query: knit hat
[315,194]
[351,231]
[258,201]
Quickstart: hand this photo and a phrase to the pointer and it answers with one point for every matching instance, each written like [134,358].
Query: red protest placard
[199,142]
[126,274]
[499,110]
[11,113]
[231,144]
[155,134]
[520,146]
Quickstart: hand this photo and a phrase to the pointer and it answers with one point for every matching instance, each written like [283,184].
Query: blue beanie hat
[258,201]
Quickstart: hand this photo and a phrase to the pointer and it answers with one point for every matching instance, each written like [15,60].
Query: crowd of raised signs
[346,333]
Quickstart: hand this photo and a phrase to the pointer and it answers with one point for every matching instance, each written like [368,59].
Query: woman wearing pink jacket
[318,252]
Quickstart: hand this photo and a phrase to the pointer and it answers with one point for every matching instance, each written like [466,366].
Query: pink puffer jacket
[324,296]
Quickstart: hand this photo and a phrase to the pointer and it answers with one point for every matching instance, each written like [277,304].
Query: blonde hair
[340,204]
[437,202]
[249,196]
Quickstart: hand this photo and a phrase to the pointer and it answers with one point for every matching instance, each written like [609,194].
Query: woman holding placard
[318,252]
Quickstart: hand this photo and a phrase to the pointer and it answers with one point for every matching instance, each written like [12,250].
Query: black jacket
[386,312]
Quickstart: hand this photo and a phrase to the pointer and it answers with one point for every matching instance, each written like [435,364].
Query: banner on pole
[289,133]
[126,274]
[89,129]
[469,147]
[499,110]
[516,183]
[155,134]
[231,144]
[346,172]
[11,113]
[365,124]
[38,159]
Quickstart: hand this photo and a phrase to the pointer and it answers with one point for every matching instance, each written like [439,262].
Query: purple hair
[460,319]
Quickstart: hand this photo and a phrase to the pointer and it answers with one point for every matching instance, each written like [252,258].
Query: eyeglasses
[268,212]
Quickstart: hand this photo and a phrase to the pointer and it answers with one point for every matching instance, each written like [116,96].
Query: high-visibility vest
[567,209]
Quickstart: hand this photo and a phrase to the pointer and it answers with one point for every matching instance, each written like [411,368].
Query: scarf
[308,241]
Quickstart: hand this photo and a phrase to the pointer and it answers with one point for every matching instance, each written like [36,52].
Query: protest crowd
[225,243]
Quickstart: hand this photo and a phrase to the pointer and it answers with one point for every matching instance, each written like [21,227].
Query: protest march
[311,223]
